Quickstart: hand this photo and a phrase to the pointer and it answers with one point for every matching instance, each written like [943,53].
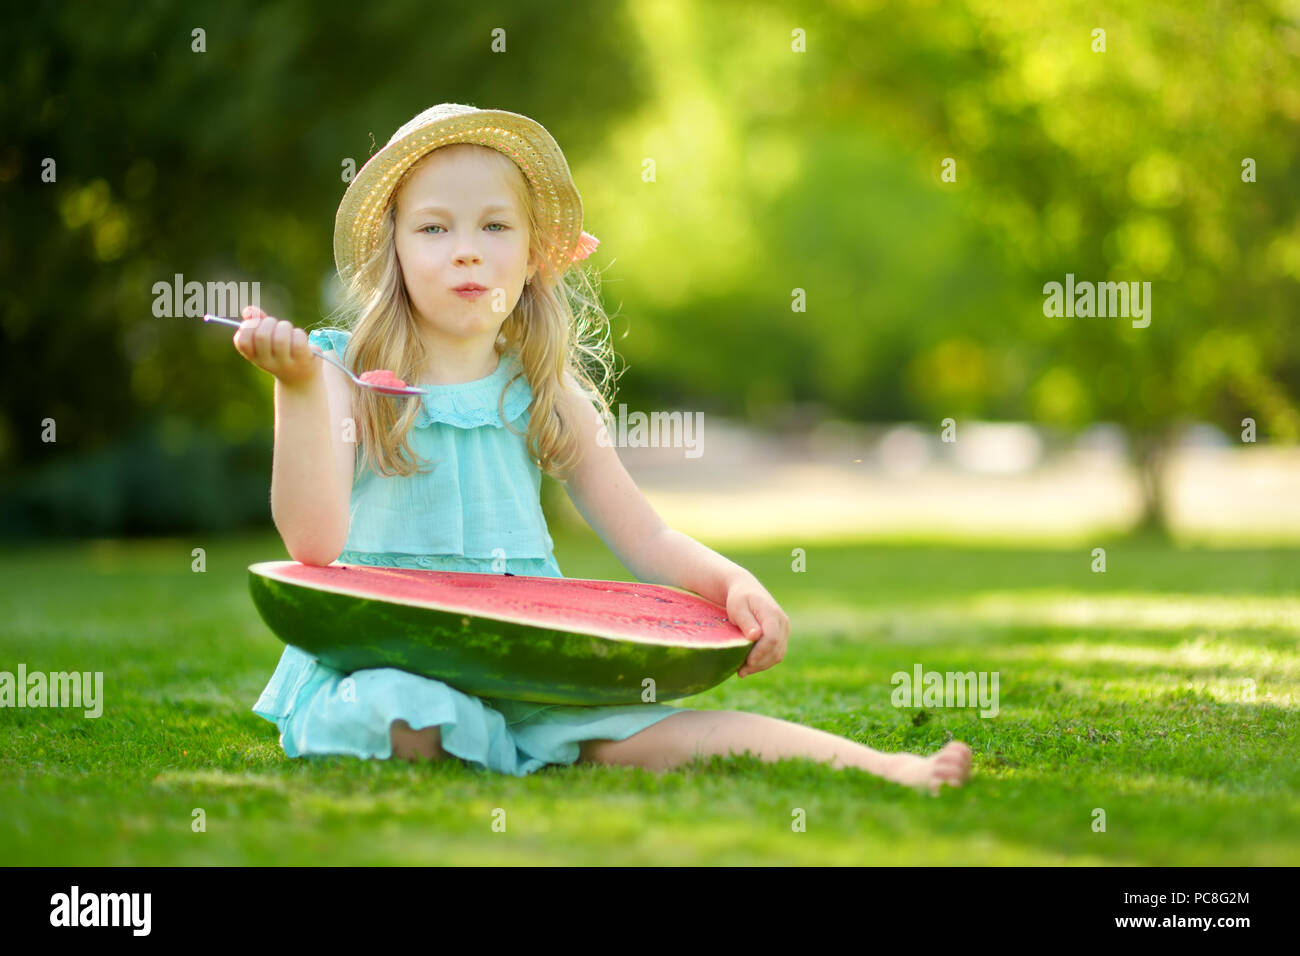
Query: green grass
[1122,691]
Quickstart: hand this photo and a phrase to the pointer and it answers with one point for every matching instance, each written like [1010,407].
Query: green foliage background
[774,170]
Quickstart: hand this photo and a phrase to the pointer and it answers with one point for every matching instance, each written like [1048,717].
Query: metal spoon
[382,389]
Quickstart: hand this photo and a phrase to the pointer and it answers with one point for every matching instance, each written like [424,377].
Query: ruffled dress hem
[334,717]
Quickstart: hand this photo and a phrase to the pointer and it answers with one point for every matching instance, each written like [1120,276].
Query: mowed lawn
[1162,692]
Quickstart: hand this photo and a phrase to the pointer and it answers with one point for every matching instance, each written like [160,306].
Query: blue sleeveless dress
[478,509]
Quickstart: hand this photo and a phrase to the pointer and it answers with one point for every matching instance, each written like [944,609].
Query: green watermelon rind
[482,656]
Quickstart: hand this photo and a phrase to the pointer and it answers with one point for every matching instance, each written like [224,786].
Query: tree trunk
[1151,450]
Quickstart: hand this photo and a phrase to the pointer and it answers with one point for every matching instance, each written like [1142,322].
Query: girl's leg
[408,744]
[680,738]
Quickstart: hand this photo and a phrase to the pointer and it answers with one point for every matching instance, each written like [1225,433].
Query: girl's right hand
[276,346]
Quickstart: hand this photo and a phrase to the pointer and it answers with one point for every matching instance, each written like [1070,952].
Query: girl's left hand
[760,619]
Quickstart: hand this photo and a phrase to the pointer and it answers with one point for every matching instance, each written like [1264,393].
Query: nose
[468,257]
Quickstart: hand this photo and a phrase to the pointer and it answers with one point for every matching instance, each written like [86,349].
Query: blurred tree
[769,176]
[1126,158]
[802,148]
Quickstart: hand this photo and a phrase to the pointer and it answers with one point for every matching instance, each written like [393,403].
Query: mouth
[469,287]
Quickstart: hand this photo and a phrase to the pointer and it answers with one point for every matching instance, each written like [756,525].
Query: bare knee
[664,744]
[708,723]
[704,733]
[408,744]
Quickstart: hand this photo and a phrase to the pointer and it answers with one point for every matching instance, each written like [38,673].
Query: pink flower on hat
[587,244]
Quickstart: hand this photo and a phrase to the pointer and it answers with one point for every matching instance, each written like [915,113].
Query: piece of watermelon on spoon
[381,380]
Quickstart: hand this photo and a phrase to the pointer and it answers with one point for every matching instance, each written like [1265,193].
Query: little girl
[454,244]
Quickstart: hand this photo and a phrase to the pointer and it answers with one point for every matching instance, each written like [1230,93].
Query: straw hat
[534,151]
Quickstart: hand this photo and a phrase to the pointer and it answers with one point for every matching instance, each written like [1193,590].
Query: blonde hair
[558,324]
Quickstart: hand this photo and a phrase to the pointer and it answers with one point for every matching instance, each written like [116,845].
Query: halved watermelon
[543,639]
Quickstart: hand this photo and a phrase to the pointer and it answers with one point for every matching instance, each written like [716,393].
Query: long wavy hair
[558,324]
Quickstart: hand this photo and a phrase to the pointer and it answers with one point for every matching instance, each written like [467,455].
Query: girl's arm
[311,467]
[681,561]
[610,502]
[311,471]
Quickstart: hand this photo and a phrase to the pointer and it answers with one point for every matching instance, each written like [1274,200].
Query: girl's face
[458,221]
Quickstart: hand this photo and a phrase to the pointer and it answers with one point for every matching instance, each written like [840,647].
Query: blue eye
[424,229]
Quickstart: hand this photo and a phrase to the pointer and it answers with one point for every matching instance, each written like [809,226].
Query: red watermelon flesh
[545,639]
[382,377]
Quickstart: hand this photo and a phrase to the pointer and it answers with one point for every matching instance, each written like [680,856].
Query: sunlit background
[780,249]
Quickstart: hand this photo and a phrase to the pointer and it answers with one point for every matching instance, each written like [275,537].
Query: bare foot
[950,765]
